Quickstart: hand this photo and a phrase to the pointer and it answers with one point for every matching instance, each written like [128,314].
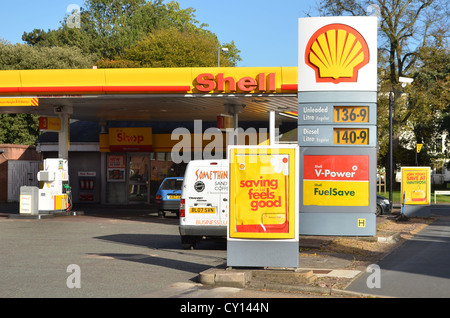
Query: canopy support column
[63,113]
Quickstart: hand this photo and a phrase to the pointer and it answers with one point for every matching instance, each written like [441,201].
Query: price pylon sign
[337,125]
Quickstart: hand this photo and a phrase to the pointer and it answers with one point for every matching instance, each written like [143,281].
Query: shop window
[161,156]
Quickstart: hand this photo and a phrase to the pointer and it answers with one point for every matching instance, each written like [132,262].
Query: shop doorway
[138,178]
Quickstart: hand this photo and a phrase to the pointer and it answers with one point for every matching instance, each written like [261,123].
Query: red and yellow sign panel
[336,180]
[19,101]
[50,123]
[130,139]
[262,193]
[416,185]
[336,52]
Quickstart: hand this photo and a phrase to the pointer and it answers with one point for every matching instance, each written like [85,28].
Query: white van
[204,202]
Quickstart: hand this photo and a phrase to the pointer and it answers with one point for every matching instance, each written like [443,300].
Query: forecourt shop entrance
[168,96]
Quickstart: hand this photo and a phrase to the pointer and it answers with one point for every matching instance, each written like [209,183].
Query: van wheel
[188,243]
[161,214]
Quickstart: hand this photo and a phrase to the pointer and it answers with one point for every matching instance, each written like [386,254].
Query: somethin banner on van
[262,192]
[339,180]
[416,185]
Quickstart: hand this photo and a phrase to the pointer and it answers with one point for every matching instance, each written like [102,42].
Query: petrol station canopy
[150,94]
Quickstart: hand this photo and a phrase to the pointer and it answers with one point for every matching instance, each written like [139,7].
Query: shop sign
[207,82]
[263,193]
[416,186]
[130,139]
[336,180]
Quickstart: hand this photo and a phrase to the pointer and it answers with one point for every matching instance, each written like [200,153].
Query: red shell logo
[336,52]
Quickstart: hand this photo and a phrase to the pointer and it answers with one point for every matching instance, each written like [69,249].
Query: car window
[172,184]
[178,184]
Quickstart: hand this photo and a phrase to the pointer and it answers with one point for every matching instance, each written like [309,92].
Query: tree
[174,48]
[109,27]
[408,29]
[18,129]
[432,94]
[25,57]
[24,128]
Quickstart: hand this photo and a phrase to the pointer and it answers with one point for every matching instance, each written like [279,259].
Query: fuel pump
[54,181]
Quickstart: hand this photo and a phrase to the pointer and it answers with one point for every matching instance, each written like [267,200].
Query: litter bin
[29,200]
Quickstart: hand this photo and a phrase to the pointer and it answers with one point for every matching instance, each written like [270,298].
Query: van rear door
[207,194]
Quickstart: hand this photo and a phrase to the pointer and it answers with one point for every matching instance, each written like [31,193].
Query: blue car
[168,196]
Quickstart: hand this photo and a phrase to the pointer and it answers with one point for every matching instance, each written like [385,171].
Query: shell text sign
[337,52]
[262,191]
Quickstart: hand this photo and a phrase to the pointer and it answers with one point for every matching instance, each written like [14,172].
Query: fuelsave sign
[336,180]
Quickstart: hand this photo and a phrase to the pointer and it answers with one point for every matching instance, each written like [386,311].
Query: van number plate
[174,196]
[202,210]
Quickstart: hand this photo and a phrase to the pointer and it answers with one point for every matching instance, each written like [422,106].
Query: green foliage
[109,27]
[24,128]
[118,63]
[25,57]
[175,48]
[120,32]
[18,129]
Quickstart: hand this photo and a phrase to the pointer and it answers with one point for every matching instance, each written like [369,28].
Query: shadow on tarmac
[141,212]
[191,267]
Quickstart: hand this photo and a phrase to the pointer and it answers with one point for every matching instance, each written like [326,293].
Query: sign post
[263,224]
[337,132]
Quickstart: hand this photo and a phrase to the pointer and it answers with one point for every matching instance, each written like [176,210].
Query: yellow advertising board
[263,198]
[416,185]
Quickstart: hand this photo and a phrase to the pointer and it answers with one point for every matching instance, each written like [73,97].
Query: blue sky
[264,30]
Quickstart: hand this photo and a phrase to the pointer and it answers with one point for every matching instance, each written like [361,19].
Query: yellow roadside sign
[419,147]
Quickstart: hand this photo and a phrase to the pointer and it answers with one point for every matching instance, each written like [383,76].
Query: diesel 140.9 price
[351,136]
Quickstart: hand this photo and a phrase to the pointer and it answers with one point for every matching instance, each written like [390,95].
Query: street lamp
[404,81]
[223,49]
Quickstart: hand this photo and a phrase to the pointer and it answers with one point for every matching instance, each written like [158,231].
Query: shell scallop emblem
[337,52]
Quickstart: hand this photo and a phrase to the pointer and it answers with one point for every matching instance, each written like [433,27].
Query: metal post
[391,157]
[417,162]
[63,137]
[272,128]
[224,49]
